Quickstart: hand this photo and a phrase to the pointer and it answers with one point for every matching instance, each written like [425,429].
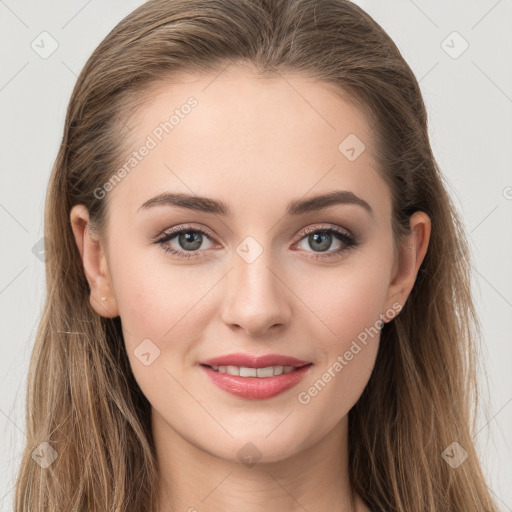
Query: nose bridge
[256,298]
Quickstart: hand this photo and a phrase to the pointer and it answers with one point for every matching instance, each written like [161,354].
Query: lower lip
[256,388]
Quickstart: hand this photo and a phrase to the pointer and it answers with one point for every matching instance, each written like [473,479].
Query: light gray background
[469,100]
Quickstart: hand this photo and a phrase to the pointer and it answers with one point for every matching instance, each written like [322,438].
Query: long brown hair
[83,400]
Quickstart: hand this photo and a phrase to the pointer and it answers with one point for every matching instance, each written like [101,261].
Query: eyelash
[349,241]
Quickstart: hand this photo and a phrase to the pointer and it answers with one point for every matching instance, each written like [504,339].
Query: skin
[255,144]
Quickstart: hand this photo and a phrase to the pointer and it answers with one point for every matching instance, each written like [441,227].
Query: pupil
[190,238]
[321,241]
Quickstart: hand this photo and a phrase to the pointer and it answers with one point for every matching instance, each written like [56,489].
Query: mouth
[262,373]
[256,383]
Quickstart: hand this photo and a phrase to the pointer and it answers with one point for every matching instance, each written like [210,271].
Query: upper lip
[250,361]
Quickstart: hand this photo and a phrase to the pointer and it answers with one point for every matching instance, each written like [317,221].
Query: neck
[193,479]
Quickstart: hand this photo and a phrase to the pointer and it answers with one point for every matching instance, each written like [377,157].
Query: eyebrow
[295,207]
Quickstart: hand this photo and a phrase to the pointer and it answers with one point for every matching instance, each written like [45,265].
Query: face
[276,273]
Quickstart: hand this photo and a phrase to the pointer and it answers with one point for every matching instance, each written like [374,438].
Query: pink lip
[254,362]
[255,388]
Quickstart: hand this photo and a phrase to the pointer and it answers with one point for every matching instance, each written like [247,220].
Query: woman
[258,286]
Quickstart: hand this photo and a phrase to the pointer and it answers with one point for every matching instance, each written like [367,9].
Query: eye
[189,241]
[320,239]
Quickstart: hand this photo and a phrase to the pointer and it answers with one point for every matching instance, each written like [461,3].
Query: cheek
[159,327]
[347,302]
[349,306]
[154,298]
[162,311]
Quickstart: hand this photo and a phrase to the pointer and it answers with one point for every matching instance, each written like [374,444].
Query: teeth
[265,372]
[243,371]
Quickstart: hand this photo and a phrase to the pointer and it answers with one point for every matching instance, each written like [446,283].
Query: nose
[257,298]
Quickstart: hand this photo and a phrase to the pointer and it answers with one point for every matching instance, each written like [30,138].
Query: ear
[407,263]
[95,263]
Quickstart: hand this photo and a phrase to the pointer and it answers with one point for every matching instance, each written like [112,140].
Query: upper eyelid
[329,227]
[184,227]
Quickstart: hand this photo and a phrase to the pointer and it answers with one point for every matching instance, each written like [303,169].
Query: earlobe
[94,263]
[411,254]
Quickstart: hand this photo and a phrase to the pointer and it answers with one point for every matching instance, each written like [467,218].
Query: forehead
[248,140]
